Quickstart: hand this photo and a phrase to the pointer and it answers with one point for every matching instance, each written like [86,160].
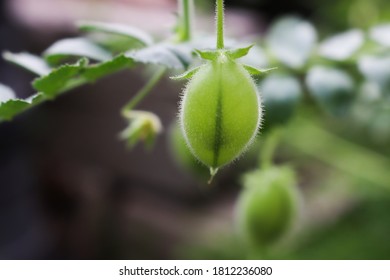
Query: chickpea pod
[268,205]
[220,111]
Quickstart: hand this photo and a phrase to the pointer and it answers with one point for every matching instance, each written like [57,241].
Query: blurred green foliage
[362,233]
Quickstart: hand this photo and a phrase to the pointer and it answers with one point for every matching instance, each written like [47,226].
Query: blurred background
[70,189]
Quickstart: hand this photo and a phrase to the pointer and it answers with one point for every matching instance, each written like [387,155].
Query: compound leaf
[166,55]
[97,71]
[60,79]
[75,47]
[120,30]
[11,106]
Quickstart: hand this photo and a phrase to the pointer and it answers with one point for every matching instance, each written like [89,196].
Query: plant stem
[144,91]
[348,157]
[220,24]
[186,7]
[185,10]
[269,147]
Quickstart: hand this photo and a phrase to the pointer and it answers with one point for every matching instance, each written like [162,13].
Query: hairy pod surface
[220,112]
[183,156]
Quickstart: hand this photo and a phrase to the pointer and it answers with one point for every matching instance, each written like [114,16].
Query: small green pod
[220,112]
[267,205]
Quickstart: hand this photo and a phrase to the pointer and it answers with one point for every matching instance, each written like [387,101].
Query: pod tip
[213,171]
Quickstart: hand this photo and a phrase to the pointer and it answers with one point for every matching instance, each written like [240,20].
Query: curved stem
[144,91]
[220,24]
[350,158]
[185,34]
[269,147]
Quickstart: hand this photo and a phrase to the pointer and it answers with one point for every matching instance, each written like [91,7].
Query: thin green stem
[185,34]
[220,24]
[144,91]
[269,147]
[186,7]
[348,157]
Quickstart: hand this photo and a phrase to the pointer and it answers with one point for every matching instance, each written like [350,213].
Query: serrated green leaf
[240,52]
[6,93]
[13,106]
[291,40]
[256,71]
[116,29]
[281,94]
[36,98]
[69,76]
[186,75]
[332,88]
[75,47]
[30,62]
[381,34]
[60,79]
[342,46]
[183,52]
[161,54]
[114,43]
[94,72]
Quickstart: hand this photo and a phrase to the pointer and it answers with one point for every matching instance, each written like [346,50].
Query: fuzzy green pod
[268,205]
[220,111]
[183,156]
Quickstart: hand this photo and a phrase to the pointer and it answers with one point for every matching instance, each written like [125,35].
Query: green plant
[136,46]
[342,75]
[267,206]
[220,109]
[220,112]
[346,76]
[183,156]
